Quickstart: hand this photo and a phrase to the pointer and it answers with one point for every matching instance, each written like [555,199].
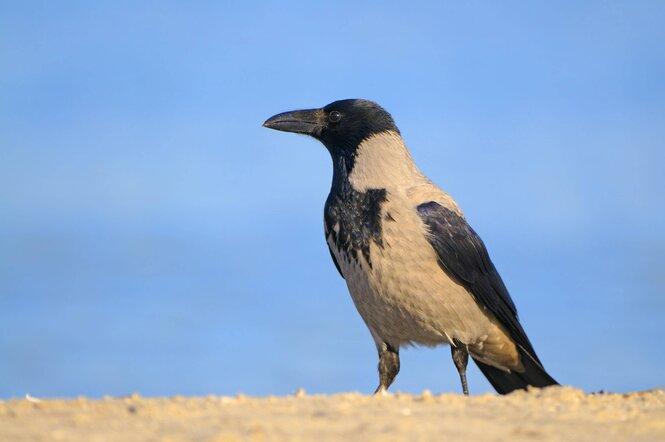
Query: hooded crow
[417,272]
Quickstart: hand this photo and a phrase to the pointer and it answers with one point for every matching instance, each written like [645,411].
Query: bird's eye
[334,116]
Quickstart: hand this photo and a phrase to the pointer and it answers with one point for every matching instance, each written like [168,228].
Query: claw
[381,391]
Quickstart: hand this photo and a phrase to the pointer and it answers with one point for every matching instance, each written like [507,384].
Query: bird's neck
[380,162]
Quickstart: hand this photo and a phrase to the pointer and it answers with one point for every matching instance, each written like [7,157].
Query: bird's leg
[461,359]
[388,368]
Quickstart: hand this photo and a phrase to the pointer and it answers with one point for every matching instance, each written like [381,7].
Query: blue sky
[154,238]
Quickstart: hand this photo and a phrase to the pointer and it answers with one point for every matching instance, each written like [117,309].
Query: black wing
[462,255]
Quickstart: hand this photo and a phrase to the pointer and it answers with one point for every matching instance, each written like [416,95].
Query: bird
[417,273]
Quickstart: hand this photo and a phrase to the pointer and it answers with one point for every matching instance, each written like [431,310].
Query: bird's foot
[381,391]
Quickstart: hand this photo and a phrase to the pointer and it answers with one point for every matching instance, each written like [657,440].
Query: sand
[556,414]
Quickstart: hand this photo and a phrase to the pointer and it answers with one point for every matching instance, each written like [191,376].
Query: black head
[341,126]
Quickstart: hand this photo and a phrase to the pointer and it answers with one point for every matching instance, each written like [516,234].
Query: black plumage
[463,256]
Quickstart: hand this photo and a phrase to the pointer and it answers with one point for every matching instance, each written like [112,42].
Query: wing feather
[463,256]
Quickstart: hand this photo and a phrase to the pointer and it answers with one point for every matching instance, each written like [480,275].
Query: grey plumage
[416,271]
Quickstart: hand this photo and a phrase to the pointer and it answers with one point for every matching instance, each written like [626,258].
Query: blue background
[155,238]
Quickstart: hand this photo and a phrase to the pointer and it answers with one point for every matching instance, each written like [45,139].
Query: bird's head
[341,126]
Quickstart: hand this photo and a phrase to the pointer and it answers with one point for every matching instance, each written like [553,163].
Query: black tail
[504,382]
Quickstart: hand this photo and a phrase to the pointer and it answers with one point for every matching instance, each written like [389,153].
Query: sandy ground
[559,413]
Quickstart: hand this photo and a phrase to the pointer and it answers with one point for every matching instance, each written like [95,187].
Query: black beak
[300,122]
